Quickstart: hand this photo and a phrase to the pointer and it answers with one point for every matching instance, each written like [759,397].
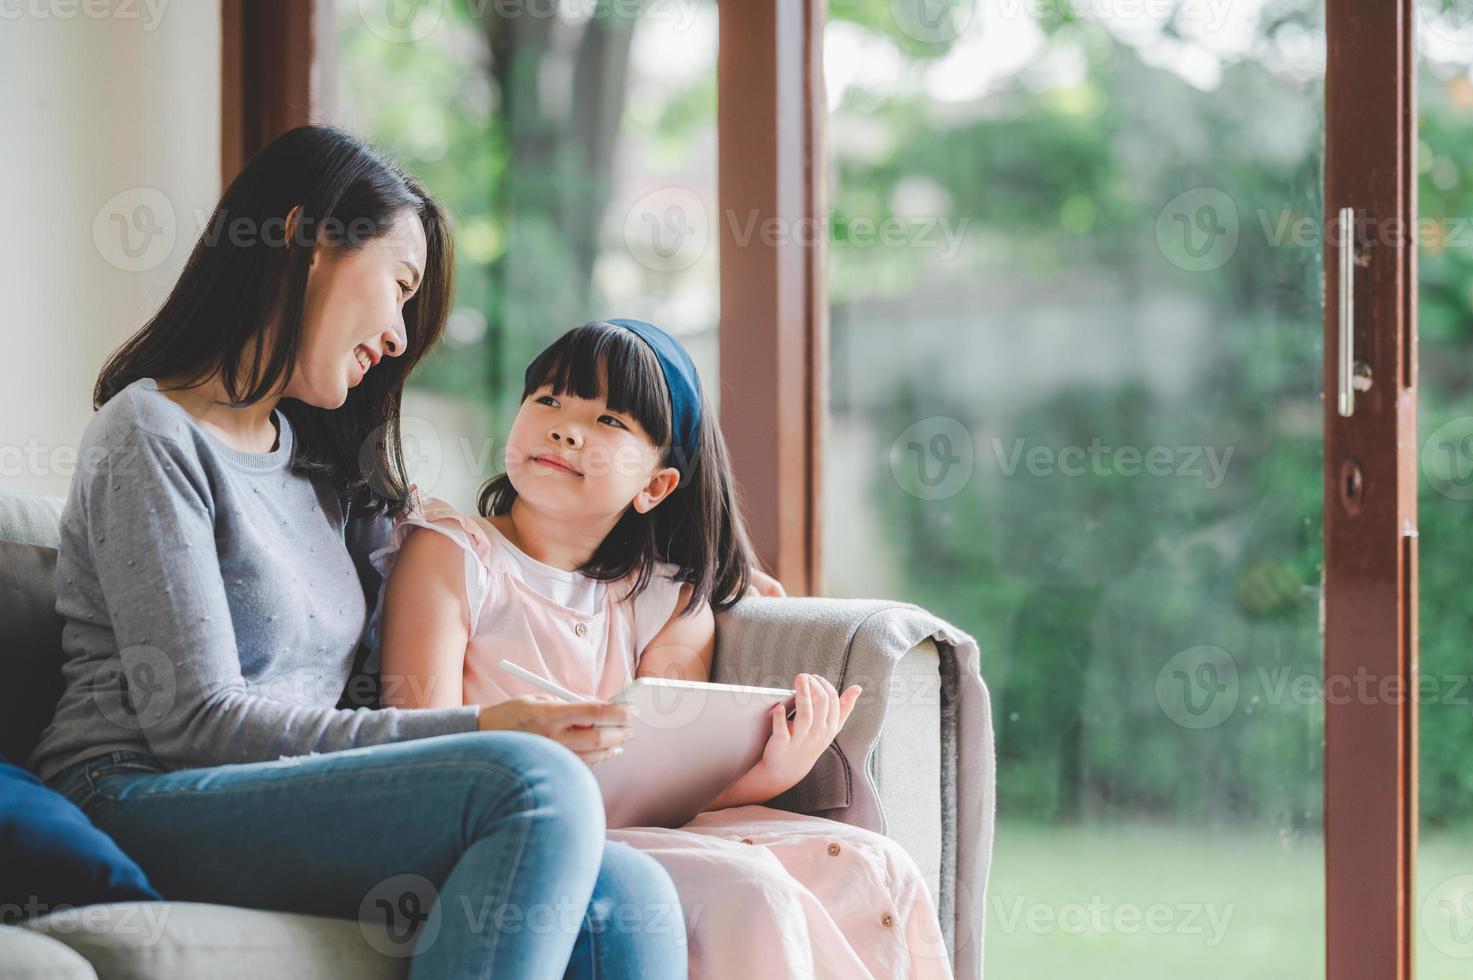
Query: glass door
[1444,694]
[1076,362]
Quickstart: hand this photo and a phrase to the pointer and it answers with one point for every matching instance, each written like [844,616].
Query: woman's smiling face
[354,313]
[575,457]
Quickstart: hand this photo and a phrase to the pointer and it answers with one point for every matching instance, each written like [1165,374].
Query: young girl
[598,557]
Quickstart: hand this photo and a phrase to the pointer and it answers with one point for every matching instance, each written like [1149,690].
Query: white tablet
[691,741]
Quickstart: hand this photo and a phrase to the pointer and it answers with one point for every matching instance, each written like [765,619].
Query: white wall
[100,100]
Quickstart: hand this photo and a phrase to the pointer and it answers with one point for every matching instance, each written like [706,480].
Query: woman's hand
[795,746]
[764,584]
[596,730]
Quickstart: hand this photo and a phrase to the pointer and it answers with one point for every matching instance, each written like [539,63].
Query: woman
[208,582]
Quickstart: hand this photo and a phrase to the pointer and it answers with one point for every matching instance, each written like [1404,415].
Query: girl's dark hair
[246,270]
[699,526]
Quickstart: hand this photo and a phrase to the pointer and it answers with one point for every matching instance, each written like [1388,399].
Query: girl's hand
[794,747]
[764,584]
[596,730]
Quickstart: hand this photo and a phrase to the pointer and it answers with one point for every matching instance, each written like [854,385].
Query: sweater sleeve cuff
[428,722]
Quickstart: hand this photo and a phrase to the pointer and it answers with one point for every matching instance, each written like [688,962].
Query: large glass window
[1444,870]
[575,146]
[1076,359]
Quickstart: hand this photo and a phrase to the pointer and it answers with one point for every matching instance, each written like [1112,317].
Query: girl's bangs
[584,359]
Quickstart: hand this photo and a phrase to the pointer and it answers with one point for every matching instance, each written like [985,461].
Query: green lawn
[1146,902]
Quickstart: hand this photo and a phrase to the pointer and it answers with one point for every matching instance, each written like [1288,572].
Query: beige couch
[136,940]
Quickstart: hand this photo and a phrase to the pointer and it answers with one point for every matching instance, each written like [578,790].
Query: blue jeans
[483,853]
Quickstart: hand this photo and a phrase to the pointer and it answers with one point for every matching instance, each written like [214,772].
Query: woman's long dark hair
[240,277]
[699,526]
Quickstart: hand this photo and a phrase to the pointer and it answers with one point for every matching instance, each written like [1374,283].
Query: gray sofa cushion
[31,661]
[26,955]
[163,940]
[28,519]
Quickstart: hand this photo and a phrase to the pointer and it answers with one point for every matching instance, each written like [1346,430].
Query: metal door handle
[1352,375]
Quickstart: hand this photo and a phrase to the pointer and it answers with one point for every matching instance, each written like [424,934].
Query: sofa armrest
[906,764]
[897,767]
[894,741]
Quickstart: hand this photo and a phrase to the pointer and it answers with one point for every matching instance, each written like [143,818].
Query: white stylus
[549,686]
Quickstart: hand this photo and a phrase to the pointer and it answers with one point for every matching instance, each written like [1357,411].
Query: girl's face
[573,457]
[354,312]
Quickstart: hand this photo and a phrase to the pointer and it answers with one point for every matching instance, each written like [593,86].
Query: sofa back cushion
[30,656]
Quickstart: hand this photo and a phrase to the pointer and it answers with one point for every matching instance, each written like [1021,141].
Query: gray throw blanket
[859,641]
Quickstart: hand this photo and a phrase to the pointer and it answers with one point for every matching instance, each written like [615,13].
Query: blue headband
[684,385]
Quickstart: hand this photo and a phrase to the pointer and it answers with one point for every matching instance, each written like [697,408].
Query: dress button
[833,850]
[887,920]
[580,629]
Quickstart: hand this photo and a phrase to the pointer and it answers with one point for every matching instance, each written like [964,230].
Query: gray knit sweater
[211,607]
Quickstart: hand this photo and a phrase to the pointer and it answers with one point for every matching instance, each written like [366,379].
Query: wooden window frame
[1371,496]
[276,72]
[774,303]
